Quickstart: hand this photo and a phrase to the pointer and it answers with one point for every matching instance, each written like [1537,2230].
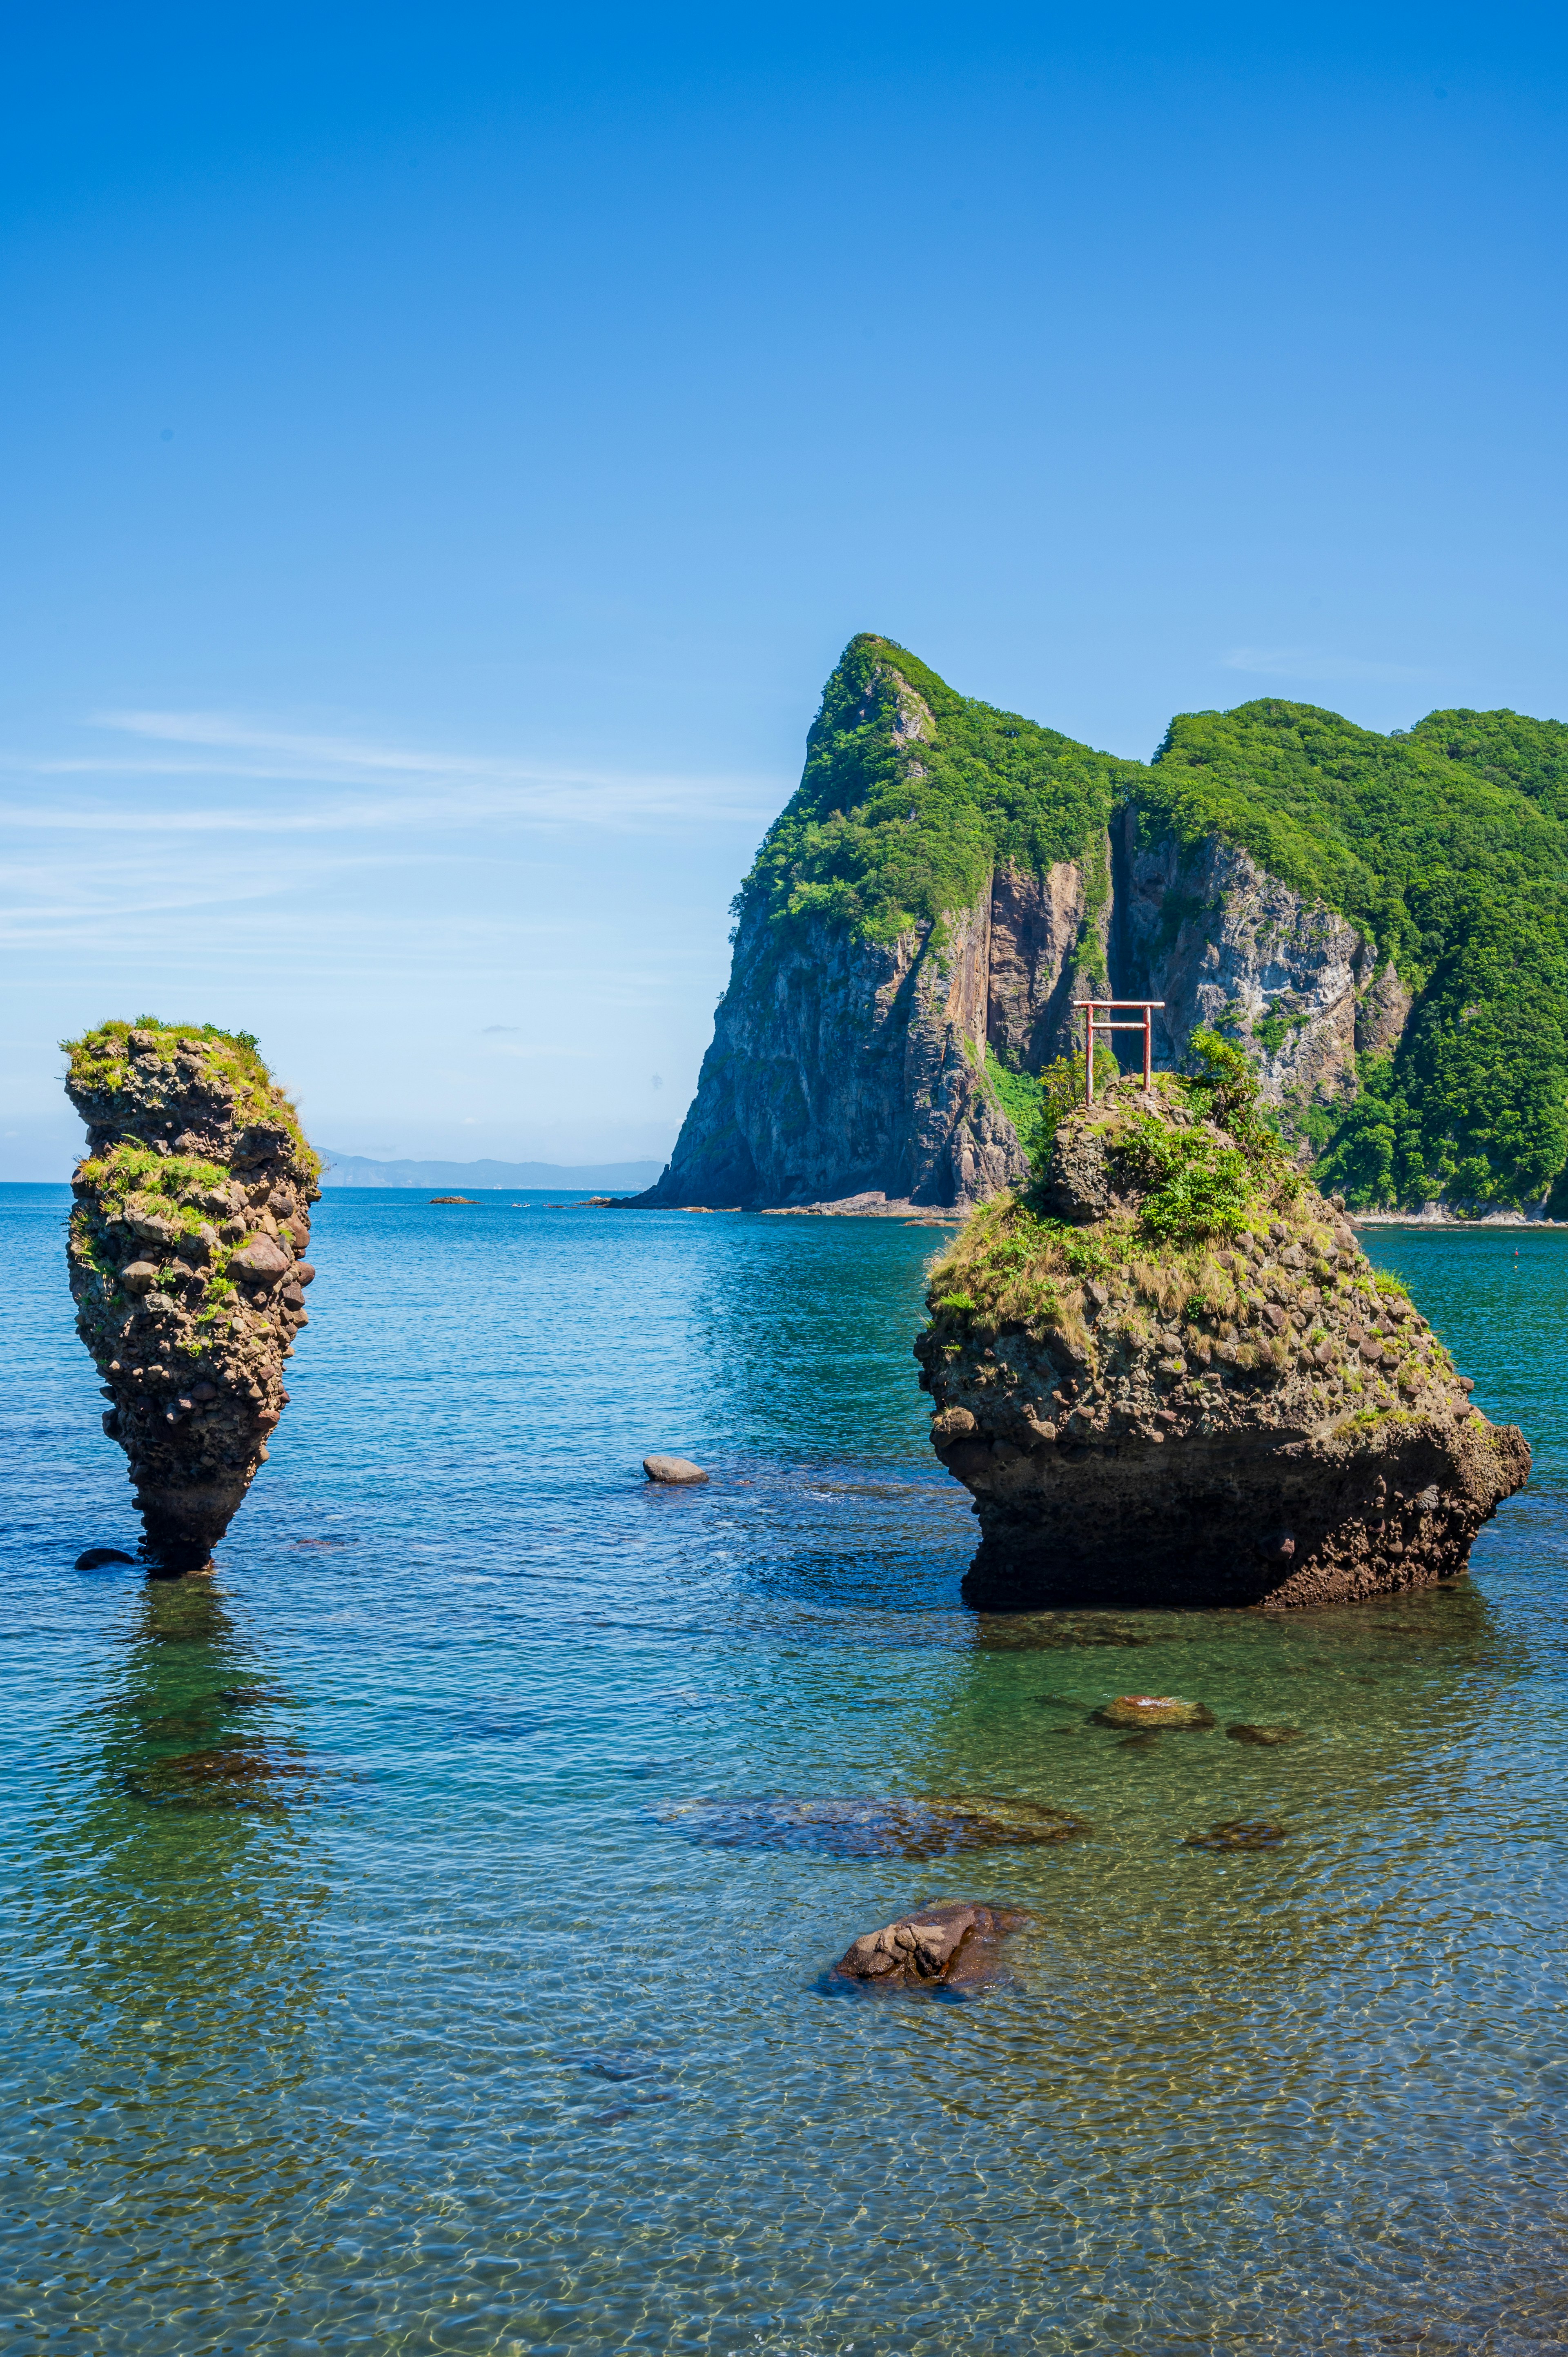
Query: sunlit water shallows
[392,1968]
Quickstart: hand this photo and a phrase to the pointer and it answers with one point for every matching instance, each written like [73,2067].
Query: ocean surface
[390,1968]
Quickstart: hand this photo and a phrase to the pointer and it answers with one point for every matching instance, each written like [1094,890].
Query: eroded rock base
[1224,1521]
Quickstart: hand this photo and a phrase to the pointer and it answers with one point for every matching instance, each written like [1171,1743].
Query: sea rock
[955,1944]
[1265,1737]
[95,1558]
[1153,1710]
[1168,1375]
[677,1471]
[1238,1833]
[188,1321]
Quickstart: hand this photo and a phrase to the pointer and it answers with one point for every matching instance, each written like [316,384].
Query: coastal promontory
[1355,912]
[188,1240]
[1167,1374]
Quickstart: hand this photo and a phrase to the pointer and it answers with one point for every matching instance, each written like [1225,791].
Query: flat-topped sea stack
[1168,1374]
[188,1242]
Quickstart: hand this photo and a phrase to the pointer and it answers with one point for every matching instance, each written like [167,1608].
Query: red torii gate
[1090,1006]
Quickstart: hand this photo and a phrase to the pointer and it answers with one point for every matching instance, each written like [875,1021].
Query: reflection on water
[418,1937]
[169,1913]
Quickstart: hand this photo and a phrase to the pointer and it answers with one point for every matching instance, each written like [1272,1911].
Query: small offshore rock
[952,1945]
[1238,1833]
[1241,1733]
[94,1558]
[679,1471]
[1152,1711]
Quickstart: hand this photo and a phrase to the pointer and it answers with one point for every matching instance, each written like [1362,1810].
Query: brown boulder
[679,1471]
[261,1262]
[952,1945]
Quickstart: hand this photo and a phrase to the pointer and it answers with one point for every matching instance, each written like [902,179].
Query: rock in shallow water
[955,1945]
[1152,1711]
[678,1471]
[874,1829]
[95,1558]
[1171,1377]
[191,1214]
[1265,1737]
[1237,1834]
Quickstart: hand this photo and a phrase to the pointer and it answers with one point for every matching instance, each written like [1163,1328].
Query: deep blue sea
[371,1985]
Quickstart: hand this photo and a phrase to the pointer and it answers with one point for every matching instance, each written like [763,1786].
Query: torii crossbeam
[1092,1006]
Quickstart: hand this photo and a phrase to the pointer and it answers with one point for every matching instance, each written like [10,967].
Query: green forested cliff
[1445,844]
[888,827]
[1457,875]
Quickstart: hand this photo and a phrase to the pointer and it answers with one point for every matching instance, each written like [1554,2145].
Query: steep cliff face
[842,1067]
[1229,948]
[905,918]
[1049,936]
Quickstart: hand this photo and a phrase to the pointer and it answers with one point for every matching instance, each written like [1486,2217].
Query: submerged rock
[1152,1711]
[678,1471]
[1265,1737]
[1238,1833]
[1168,1375]
[875,1828]
[954,1945]
[186,1247]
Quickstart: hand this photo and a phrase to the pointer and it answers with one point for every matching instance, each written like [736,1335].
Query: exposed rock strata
[187,1249]
[1229,948]
[841,1067]
[1256,1420]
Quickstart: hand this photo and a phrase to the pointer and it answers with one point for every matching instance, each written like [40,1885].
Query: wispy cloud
[1315,664]
[400,786]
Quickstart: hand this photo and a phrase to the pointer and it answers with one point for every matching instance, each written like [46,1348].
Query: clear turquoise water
[365,1995]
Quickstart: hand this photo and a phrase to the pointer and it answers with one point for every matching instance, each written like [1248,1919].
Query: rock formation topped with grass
[1168,1374]
[186,1248]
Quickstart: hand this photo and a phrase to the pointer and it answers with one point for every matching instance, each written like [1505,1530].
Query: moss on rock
[187,1245]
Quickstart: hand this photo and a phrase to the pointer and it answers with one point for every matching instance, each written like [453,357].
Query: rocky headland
[1167,1374]
[1350,909]
[187,1249]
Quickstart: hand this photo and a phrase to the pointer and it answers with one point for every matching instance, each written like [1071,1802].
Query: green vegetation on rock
[912,793]
[99,1067]
[1204,1168]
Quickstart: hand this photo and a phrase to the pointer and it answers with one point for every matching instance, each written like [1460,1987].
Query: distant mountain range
[607,1177]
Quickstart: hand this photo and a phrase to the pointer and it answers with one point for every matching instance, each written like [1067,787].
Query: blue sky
[447,449]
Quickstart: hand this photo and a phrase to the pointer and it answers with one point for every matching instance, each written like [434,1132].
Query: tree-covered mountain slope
[1507,750]
[1379,920]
